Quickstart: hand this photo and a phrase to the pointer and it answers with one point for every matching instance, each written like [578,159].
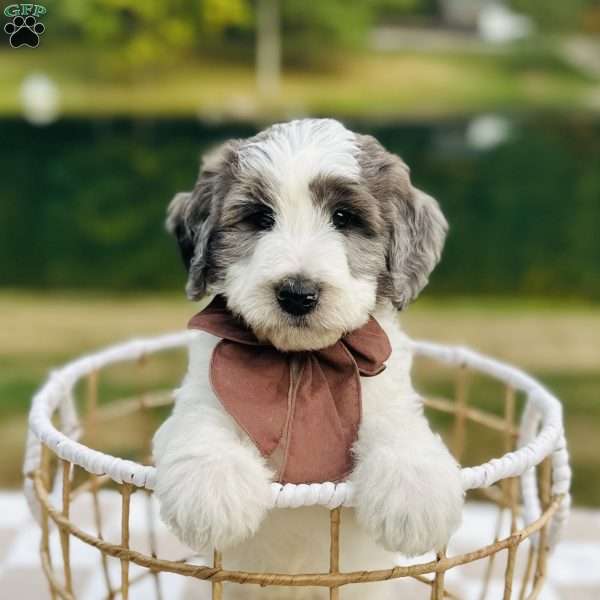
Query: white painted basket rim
[541,431]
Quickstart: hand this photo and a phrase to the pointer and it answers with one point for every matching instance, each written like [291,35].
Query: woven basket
[529,483]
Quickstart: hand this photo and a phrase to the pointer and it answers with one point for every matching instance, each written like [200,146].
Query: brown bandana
[301,409]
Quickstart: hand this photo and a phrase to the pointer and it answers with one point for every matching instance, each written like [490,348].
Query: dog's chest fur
[296,540]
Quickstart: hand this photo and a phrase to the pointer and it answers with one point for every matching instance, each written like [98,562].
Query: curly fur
[212,483]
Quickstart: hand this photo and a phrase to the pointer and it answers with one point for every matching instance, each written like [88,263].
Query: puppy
[336,214]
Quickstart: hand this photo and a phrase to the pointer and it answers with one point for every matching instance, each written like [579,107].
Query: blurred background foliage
[86,204]
[145,32]
[495,109]
[494,104]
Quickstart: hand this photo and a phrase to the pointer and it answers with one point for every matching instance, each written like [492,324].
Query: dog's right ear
[192,216]
[177,225]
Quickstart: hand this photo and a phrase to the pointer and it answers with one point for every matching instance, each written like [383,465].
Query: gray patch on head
[208,222]
[416,227]
[366,242]
[193,217]
[245,193]
[232,237]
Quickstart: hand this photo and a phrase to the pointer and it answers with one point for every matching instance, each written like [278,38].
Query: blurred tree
[268,48]
[218,15]
[150,32]
[311,28]
[555,15]
[153,32]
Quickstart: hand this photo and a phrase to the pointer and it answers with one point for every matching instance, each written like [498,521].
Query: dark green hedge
[82,202]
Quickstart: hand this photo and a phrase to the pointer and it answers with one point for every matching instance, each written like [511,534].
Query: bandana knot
[302,410]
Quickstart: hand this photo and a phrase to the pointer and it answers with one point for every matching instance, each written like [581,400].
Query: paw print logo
[24,31]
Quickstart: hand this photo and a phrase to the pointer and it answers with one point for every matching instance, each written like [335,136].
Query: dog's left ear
[416,226]
[192,216]
[415,245]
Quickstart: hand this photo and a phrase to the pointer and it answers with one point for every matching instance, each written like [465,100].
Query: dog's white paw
[411,506]
[214,501]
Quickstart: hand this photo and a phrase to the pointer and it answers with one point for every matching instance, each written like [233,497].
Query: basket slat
[539,441]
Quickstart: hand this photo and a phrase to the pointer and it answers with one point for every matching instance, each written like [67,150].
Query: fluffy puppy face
[304,228]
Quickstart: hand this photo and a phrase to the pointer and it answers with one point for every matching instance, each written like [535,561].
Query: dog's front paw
[411,507]
[213,502]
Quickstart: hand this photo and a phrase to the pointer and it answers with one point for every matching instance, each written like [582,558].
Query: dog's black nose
[297,296]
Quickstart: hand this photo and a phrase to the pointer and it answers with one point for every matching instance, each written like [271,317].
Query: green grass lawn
[556,342]
[407,84]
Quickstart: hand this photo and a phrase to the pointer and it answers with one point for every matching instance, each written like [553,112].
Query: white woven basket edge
[541,432]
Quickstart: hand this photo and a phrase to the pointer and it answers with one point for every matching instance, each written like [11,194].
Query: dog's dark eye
[262,219]
[342,218]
